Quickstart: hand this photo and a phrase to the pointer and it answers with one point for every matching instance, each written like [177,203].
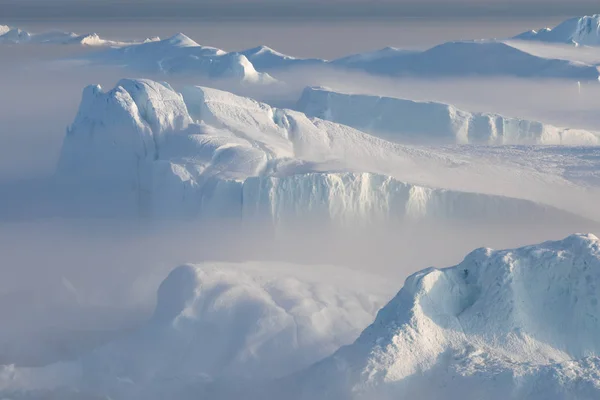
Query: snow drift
[403,120]
[211,154]
[512,324]
[579,31]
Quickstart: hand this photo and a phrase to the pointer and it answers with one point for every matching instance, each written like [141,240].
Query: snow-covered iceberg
[403,120]
[220,325]
[481,58]
[212,154]
[15,35]
[580,31]
[512,324]
[468,59]
[181,55]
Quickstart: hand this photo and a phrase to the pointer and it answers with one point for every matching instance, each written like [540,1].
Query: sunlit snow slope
[513,324]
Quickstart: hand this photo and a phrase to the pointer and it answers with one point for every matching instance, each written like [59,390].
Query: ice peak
[181,40]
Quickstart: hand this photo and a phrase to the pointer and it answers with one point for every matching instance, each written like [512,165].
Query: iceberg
[403,120]
[181,55]
[211,154]
[511,324]
[17,36]
[583,31]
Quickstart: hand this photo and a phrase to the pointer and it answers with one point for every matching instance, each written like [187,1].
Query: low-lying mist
[67,285]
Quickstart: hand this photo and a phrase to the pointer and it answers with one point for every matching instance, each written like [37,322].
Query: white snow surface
[579,31]
[403,120]
[512,324]
[220,322]
[212,154]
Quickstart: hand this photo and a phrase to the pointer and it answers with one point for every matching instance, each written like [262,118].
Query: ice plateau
[579,31]
[403,120]
[512,324]
[212,154]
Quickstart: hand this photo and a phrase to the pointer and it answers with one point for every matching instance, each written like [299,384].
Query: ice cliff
[404,120]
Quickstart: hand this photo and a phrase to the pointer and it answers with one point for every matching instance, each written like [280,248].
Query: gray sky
[303,9]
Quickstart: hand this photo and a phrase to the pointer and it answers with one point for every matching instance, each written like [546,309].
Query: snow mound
[181,55]
[580,31]
[462,59]
[514,324]
[402,120]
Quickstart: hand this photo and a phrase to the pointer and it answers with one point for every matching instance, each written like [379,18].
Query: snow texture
[403,120]
[512,324]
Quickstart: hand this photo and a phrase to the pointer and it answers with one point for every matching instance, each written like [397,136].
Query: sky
[309,9]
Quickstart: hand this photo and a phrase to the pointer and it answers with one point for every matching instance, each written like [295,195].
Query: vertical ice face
[109,139]
[427,122]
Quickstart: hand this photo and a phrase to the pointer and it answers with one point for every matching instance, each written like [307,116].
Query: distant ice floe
[511,324]
[583,31]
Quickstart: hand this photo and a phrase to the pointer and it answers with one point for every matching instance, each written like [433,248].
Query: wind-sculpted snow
[513,324]
[221,324]
[580,31]
[181,55]
[402,120]
[17,36]
[211,154]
